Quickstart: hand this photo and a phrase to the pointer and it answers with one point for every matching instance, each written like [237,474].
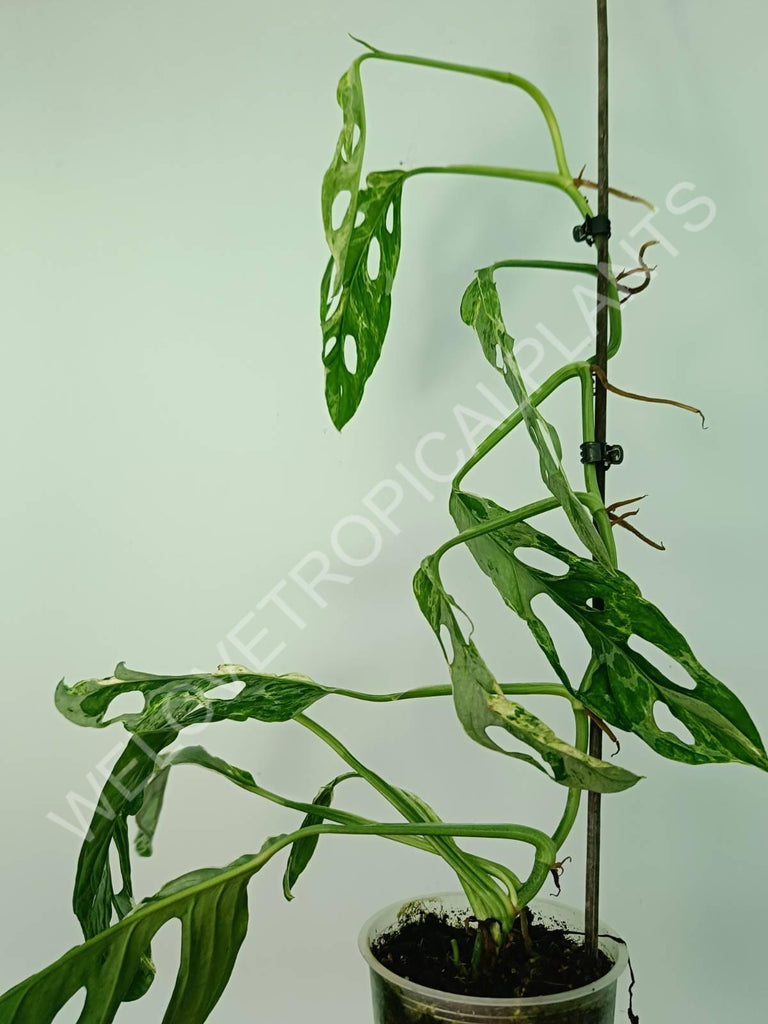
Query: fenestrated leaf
[355,300]
[211,905]
[480,703]
[303,850]
[621,686]
[94,896]
[481,309]
[343,176]
[173,702]
[134,787]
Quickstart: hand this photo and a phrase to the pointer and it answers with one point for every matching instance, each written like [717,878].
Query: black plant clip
[592,228]
[599,453]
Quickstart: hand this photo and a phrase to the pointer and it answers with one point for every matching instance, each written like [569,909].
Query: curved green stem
[565,373]
[486,897]
[551,178]
[504,77]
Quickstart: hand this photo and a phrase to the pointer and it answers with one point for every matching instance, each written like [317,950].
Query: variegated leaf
[621,686]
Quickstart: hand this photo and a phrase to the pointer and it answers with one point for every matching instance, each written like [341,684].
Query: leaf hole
[226,691]
[668,667]
[350,353]
[389,219]
[538,559]
[71,1011]
[447,643]
[167,956]
[569,642]
[359,218]
[330,345]
[499,358]
[373,263]
[350,142]
[340,208]
[332,304]
[667,721]
[126,704]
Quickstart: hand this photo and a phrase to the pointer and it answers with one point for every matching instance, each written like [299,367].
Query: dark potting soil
[420,949]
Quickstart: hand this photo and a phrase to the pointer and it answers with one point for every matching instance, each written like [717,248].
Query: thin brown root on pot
[582,182]
[601,376]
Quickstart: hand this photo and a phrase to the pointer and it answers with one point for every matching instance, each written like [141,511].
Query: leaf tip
[362,42]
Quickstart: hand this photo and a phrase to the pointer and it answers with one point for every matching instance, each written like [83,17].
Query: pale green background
[167,458]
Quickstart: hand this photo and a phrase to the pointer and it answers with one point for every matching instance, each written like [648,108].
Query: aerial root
[605,729]
[557,870]
[602,377]
[621,520]
[643,268]
[582,182]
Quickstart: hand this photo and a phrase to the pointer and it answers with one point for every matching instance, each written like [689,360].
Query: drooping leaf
[147,819]
[174,702]
[356,291]
[342,179]
[480,703]
[134,787]
[148,815]
[303,850]
[481,309]
[621,686]
[212,907]
[94,895]
[475,874]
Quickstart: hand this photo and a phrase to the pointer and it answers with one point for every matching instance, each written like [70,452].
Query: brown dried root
[601,376]
[582,182]
[605,729]
[557,870]
[621,520]
[642,269]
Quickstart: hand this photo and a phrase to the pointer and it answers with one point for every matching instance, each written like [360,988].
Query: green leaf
[342,179]
[135,787]
[147,819]
[94,895]
[620,686]
[211,905]
[148,815]
[174,702]
[303,849]
[355,305]
[481,309]
[480,703]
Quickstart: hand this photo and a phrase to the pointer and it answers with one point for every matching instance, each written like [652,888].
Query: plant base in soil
[437,950]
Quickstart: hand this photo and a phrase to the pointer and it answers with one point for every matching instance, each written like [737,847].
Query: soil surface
[424,948]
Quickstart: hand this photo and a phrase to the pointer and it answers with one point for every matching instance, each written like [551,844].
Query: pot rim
[617,950]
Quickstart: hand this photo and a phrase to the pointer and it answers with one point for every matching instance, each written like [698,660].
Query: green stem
[497,435]
[504,77]
[522,689]
[486,897]
[510,173]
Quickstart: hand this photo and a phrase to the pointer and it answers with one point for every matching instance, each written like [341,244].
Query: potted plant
[481,955]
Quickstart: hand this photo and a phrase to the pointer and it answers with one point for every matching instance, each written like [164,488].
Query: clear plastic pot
[398,1001]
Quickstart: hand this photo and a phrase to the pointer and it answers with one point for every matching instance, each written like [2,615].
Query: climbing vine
[620,688]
